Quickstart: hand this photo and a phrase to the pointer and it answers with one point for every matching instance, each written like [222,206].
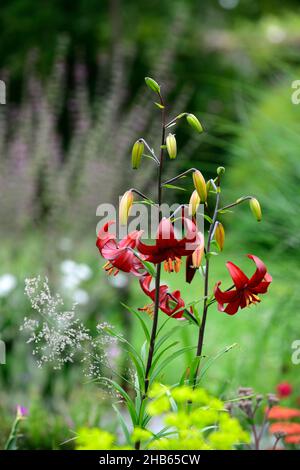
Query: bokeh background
[76,101]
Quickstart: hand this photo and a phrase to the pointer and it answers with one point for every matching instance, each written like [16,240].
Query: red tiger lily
[167,248]
[169,302]
[246,290]
[119,254]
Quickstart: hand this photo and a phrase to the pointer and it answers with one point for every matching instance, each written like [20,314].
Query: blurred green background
[76,101]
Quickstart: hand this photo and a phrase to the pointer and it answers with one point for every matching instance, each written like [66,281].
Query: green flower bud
[171,146]
[194,122]
[125,206]
[200,185]
[152,84]
[220,171]
[136,155]
[255,208]
[194,203]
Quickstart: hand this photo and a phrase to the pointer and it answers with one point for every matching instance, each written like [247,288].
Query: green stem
[206,282]
[158,267]
[13,434]
[181,175]
[236,203]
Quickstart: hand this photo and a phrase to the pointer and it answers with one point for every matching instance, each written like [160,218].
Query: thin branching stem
[172,180]
[151,150]
[236,203]
[143,196]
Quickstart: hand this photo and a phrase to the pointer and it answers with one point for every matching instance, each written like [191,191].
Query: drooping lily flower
[119,254]
[170,303]
[246,290]
[167,248]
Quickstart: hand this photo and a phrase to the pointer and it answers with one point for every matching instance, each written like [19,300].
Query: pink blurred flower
[284,389]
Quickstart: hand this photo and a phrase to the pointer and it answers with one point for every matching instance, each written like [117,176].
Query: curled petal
[131,239]
[104,236]
[232,307]
[224,297]
[259,273]
[239,278]
[262,287]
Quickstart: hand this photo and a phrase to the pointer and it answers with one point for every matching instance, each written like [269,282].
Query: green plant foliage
[193,420]
[196,420]
[266,160]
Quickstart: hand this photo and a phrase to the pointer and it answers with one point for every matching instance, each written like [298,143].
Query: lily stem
[172,180]
[206,304]
[236,203]
[158,267]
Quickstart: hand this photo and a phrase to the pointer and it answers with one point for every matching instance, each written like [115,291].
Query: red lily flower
[246,290]
[169,302]
[119,254]
[167,248]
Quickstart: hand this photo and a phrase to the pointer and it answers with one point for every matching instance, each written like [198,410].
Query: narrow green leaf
[190,317]
[210,361]
[171,186]
[193,367]
[150,268]
[158,356]
[224,211]
[142,322]
[122,424]
[168,360]
[124,394]
[209,219]
[139,370]
[210,254]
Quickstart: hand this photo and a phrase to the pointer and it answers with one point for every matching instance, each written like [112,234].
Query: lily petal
[259,273]
[238,277]
[224,297]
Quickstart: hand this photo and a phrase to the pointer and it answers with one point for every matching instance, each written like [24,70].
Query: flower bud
[194,203]
[194,123]
[136,155]
[198,253]
[22,412]
[152,84]
[200,185]
[255,208]
[220,171]
[125,206]
[220,235]
[197,256]
[171,146]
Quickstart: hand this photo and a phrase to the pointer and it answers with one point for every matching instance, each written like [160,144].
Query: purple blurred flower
[22,412]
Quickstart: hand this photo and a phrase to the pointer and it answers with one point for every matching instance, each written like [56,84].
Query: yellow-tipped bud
[200,185]
[194,203]
[125,206]
[152,84]
[194,122]
[171,146]
[197,256]
[136,155]
[255,208]
[220,235]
